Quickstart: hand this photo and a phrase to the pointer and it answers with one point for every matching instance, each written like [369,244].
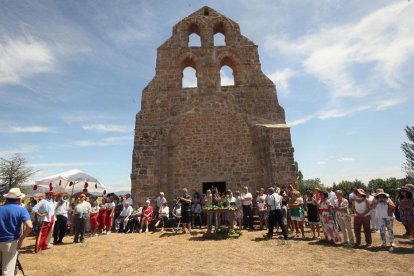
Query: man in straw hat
[11,218]
[45,210]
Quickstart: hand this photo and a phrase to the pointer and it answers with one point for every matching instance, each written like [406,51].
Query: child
[102,216]
[313,217]
[93,218]
[261,205]
[196,213]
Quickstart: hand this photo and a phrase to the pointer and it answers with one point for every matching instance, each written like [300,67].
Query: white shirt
[129,200]
[82,208]
[177,212]
[274,201]
[381,210]
[247,199]
[126,211]
[361,206]
[62,209]
[160,201]
[165,212]
[45,206]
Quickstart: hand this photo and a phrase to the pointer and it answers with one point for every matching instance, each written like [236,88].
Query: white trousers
[8,255]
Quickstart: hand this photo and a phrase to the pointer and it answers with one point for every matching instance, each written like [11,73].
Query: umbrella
[72,181]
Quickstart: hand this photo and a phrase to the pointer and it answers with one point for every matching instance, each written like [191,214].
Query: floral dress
[406,209]
[328,226]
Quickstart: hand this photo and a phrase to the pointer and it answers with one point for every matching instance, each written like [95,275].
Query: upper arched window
[194,39]
[226,76]
[189,77]
[219,35]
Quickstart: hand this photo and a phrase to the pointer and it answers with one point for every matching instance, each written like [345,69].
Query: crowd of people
[54,216]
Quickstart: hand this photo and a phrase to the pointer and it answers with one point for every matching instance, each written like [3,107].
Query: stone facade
[185,137]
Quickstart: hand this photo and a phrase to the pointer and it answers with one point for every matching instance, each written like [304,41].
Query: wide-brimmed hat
[361,192]
[14,193]
[379,192]
[405,189]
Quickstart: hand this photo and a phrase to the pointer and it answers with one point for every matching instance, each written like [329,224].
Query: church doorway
[220,186]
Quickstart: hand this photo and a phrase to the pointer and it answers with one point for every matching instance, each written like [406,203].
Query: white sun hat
[14,193]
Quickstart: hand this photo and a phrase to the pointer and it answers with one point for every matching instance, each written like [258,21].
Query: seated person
[164,214]
[134,219]
[123,217]
[177,212]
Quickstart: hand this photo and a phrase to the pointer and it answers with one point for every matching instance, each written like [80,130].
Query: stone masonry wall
[210,133]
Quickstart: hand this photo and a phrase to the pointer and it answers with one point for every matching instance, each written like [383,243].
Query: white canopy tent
[71,182]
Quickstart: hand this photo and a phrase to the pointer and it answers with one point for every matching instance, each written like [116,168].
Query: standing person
[406,208]
[362,217]
[313,216]
[110,212]
[247,201]
[196,210]
[374,222]
[325,213]
[29,208]
[12,216]
[159,201]
[45,211]
[274,203]
[81,214]
[384,214]
[262,208]
[102,216]
[238,214]
[186,201]
[343,218]
[119,206]
[128,199]
[61,225]
[147,216]
[94,218]
[297,213]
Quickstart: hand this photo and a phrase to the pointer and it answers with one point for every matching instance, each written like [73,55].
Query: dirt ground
[184,254]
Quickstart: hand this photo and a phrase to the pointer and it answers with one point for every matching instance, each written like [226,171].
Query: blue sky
[72,72]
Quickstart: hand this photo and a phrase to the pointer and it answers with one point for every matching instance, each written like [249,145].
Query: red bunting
[34,187]
[96,185]
[104,192]
[50,186]
[86,185]
[60,182]
[70,184]
[85,190]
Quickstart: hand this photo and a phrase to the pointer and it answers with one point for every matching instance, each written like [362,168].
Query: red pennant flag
[85,190]
[96,185]
[60,182]
[86,185]
[70,184]
[34,187]
[104,192]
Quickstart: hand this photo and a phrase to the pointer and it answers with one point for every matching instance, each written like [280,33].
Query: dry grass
[184,254]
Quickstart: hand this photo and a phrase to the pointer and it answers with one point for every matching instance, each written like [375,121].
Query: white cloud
[226,76]
[346,159]
[30,129]
[189,77]
[359,62]
[106,128]
[338,113]
[281,79]
[321,163]
[21,58]
[109,141]
[350,133]
[300,121]
[63,164]
[21,150]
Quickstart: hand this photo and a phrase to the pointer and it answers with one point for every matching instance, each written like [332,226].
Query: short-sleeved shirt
[186,207]
[11,218]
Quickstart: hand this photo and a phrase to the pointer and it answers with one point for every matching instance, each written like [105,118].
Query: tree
[13,172]
[348,187]
[408,149]
[388,185]
[309,184]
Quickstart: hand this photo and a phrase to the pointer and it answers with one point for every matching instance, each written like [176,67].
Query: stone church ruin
[226,136]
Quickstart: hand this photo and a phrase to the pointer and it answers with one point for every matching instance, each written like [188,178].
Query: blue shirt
[12,216]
